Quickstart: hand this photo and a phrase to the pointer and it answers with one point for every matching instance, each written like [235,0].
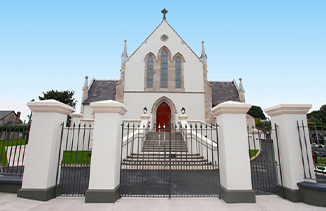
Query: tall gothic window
[150,64]
[164,69]
[178,72]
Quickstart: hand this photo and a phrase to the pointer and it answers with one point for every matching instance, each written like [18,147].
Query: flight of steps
[156,151]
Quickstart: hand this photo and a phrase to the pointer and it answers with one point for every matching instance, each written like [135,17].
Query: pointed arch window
[150,65]
[178,72]
[164,69]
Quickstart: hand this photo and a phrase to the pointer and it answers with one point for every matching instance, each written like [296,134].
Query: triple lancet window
[178,72]
[166,71]
[150,65]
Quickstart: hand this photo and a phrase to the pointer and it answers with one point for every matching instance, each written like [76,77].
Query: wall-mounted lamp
[183,110]
[145,110]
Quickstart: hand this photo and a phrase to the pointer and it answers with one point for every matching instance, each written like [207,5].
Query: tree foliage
[317,117]
[264,125]
[64,96]
[256,112]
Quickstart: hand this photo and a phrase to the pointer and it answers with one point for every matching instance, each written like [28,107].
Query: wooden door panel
[162,115]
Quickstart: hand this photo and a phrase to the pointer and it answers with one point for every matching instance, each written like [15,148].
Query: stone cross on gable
[164,11]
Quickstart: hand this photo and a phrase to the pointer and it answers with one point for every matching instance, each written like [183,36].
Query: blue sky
[278,47]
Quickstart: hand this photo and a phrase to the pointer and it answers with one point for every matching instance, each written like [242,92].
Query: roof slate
[106,90]
[3,114]
[223,91]
[101,90]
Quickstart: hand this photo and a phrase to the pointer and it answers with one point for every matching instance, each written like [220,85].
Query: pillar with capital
[234,163]
[104,183]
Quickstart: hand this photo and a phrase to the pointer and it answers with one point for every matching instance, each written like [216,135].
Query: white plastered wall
[194,104]
[290,151]
[135,66]
[234,152]
[88,112]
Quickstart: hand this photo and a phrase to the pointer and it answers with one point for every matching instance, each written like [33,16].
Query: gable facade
[162,70]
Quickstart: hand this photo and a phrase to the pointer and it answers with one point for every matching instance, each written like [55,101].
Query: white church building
[165,79]
[164,75]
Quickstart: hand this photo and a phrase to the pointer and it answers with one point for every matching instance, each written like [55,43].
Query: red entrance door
[162,116]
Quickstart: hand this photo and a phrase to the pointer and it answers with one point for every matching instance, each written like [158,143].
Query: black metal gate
[74,160]
[170,161]
[13,143]
[262,161]
[316,133]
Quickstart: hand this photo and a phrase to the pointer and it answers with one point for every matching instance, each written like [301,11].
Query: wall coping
[108,106]
[145,116]
[86,120]
[231,107]
[76,115]
[183,117]
[50,106]
[288,109]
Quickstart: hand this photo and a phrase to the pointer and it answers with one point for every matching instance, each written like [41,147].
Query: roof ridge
[221,81]
[106,80]
[8,112]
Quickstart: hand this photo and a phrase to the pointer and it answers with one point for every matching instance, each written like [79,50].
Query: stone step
[163,154]
[195,159]
[162,142]
[165,150]
[156,135]
[164,160]
[166,155]
[181,163]
[168,167]
[164,147]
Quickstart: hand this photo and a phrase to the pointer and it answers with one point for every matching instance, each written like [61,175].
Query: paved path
[272,202]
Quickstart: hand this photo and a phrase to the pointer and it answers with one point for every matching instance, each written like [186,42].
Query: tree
[264,125]
[64,96]
[256,112]
[317,116]
[323,109]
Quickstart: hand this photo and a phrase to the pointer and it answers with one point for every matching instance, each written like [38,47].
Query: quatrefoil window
[164,37]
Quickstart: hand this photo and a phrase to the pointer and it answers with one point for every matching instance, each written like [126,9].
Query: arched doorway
[162,115]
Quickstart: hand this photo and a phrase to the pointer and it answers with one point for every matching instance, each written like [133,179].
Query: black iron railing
[13,144]
[74,159]
[316,133]
[169,161]
[262,160]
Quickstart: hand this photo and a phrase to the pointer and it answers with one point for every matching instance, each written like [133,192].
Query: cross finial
[164,11]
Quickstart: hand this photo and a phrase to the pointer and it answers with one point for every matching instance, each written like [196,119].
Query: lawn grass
[253,152]
[6,143]
[322,160]
[74,157]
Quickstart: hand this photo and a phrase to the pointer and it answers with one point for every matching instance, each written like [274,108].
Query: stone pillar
[184,120]
[285,116]
[144,120]
[41,162]
[75,118]
[104,184]
[234,163]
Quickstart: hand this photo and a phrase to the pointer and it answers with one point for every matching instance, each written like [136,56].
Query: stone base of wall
[10,184]
[102,195]
[38,194]
[238,196]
